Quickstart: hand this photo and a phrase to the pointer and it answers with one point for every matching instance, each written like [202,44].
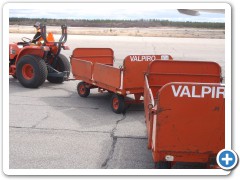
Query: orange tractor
[34,62]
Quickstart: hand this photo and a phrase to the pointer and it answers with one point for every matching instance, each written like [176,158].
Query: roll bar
[62,39]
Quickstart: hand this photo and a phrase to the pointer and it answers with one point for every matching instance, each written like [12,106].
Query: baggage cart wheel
[163,165]
[82,90]
[117,103]
[189,165]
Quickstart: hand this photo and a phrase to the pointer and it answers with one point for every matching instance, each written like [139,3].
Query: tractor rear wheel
[14,76]
[83,90]
[61,65]
[117,103]
[31,71]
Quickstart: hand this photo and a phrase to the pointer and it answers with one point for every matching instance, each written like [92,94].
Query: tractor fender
[33,50]
[13,51]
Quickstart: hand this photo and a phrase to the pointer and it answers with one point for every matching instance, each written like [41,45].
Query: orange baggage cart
[184,104]
[94,66]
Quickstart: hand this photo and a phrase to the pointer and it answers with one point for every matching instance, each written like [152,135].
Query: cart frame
[184,104]
[94,66]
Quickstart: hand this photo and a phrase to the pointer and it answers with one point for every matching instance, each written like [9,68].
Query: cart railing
[148,105]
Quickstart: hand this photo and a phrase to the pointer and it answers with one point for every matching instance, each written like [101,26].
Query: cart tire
[188,165]
[31,71]
[82,90]
[117,103]
[62,65]
[163,165]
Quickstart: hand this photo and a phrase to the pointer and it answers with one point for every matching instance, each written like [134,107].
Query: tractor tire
[62,65]
[117,103]
[14,76]
[83,90]
[31,71]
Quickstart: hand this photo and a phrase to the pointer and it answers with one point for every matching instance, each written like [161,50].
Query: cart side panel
[190,120]
[105,76]
[134,68]
[95,55]
[82,70]
[183,67]
[148,105]
[163,72]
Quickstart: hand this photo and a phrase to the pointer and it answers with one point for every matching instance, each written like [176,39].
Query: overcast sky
[101,11]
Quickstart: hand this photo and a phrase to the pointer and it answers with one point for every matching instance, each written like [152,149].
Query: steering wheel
[26,40]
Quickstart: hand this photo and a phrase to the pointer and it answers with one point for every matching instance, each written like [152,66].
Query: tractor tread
[64,65]
[40,69]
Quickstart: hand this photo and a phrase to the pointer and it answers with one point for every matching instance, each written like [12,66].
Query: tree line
[141,23]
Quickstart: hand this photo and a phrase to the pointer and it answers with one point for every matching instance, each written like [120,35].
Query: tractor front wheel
[31,71]
[83,90]
[61,66]
[117,103]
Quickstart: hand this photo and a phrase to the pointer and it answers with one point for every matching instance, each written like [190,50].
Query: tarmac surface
[51,127]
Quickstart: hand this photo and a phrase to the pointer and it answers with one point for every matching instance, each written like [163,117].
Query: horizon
[116,12]
[112,20]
